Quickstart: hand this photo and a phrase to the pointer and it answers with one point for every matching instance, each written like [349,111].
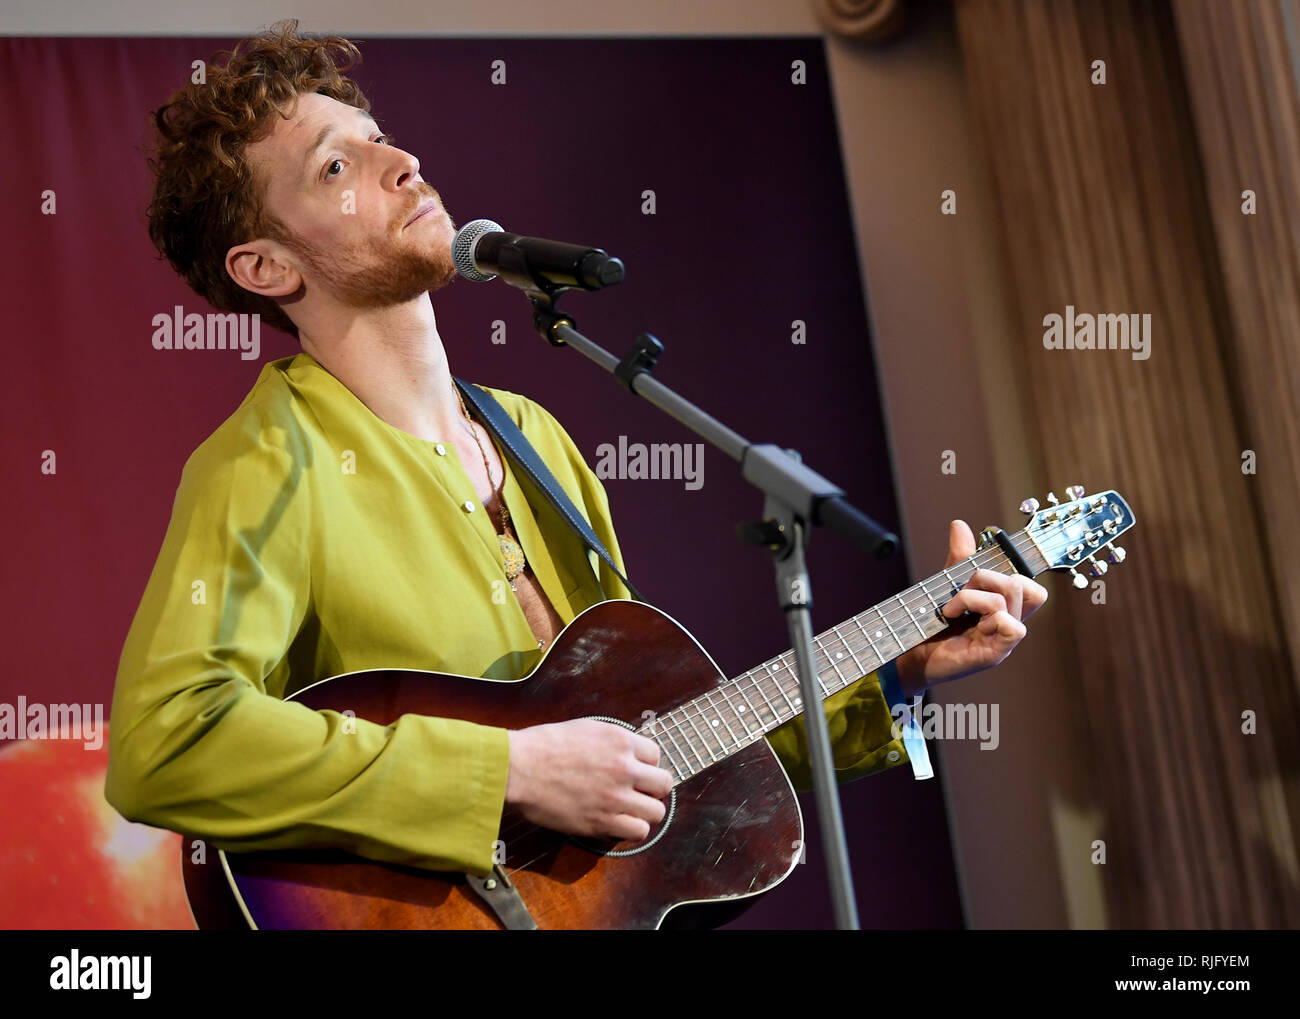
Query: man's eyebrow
[326,131]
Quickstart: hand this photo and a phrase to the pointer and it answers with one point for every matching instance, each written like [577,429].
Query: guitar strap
[503,898]
[522,454]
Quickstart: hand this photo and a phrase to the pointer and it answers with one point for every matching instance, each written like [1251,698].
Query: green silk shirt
[310,538]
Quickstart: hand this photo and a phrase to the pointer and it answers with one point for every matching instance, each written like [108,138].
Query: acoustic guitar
[732,829]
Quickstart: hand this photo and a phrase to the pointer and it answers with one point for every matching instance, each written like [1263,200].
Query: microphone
[482,251]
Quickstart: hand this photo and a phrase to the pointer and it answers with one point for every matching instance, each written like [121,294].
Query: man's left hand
[1002,603]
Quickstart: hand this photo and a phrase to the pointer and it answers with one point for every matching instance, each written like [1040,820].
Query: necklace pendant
[512,556]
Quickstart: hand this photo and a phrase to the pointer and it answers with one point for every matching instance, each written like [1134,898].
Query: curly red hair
[205,198]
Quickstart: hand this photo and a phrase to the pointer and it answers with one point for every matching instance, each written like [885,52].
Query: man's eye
[386,139]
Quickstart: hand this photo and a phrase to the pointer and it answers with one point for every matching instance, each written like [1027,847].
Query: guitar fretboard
[710,728]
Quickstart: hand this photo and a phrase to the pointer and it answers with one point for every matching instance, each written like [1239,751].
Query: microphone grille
[463,245]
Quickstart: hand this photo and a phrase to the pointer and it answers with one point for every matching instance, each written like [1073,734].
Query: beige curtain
[1125,197]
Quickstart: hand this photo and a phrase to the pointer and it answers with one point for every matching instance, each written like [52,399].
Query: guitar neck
[701,732]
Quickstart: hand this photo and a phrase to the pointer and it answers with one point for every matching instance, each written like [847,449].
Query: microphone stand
[796,498]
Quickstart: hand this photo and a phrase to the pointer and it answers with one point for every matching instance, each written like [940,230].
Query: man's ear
[263,267]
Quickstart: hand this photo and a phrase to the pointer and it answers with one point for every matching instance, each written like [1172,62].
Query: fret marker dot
[839,654]
[715,723]
[797,700]
[880,633]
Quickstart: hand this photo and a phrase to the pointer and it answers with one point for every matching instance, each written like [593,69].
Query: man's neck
[393,360]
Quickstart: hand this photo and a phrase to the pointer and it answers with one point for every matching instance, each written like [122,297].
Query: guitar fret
[666,755]
[838,675]
[707,731]
[668,732]
[776,718]
[717,720]
[911,618]
[892,634]
[757,717]
[870,643]
[703,741]
[955,587]
[737,710]
[781,690]
[935,603]
[652,730]
[857,665]
[790,667]
[727,701]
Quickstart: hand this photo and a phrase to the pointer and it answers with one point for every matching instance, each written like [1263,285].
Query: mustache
[424,190]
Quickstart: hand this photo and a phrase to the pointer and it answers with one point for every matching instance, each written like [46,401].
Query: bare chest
[541,615]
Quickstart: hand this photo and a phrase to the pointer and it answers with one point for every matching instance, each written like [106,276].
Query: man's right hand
[587,778]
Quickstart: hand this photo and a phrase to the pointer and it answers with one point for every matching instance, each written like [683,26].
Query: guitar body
[732,831]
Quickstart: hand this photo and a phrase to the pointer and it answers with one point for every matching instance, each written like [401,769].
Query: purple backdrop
[752,232]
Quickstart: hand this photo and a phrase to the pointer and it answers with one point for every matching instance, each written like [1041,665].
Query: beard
[378,274]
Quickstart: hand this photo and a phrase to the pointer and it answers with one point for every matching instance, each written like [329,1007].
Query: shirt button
[892,755]
[469,506]
[440,449]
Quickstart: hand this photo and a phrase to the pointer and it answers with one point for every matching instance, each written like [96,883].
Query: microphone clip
[547,318]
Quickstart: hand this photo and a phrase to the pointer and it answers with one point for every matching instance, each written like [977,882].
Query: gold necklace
[512,553]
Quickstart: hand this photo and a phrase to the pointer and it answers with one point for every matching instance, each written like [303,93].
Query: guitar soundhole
[610,847]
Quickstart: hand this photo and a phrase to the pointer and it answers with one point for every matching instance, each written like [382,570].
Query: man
[350,515]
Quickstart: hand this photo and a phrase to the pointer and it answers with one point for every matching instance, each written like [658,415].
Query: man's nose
[405,168]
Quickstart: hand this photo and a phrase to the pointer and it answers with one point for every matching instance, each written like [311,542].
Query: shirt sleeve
[197,744]
[862,731]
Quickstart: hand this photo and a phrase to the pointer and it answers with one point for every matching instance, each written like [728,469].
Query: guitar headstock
[1076,533]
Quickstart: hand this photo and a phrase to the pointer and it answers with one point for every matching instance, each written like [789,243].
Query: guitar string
[993,554]
[984,559]
[981,560]
[788,683]
[918,594]
[674,728]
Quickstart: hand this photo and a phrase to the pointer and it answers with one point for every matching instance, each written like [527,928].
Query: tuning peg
[1078,579]
[1098,568]
[1117,554]
[1075,491]
[1029,506]
[1051,497]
